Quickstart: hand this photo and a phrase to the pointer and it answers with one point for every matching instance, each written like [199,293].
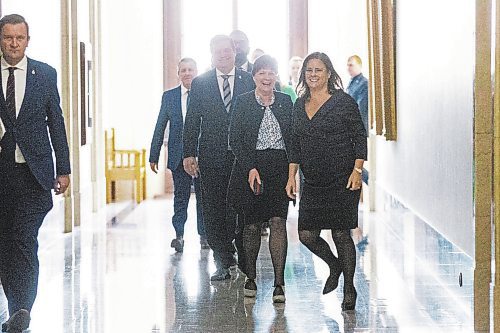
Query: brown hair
[14,19]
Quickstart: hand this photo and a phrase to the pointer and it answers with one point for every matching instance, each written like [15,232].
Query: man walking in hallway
[207,151]
[242,47]
[173,110]
[29,106]
[358,87]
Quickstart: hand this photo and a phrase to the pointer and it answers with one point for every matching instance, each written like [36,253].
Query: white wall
[339,29]
[430,167]
[44,20]
[132,74]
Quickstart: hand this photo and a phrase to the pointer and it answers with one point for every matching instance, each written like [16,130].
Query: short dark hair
[265,61]
[186,59]
[14,19]
[221,38]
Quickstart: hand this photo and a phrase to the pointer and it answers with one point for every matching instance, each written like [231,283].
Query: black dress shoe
[349,302]
[177,244]
[279,294]
[220,275]
[204,244]
[250,288]
[333,280]
[18,322]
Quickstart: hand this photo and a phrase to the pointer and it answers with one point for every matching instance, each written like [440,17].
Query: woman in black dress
[260,132]
[329,144]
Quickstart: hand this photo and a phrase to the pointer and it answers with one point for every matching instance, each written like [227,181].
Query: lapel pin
[239,76]
[33,72]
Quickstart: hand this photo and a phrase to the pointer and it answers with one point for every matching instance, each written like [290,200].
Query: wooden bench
[124,164]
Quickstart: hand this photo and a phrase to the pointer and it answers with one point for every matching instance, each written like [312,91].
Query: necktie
[187,100]
[226,92]
[10,98]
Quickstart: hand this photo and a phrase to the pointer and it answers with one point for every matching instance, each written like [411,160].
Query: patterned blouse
[269,132]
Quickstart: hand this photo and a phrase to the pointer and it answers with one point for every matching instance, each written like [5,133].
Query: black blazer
[245,124]
[207,122]
[40,111]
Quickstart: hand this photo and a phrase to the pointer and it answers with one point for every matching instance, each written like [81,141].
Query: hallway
[122,276]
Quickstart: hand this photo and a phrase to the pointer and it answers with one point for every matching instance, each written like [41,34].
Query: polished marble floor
[117,274]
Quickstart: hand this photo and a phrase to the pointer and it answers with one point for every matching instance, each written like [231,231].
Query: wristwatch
[358,170]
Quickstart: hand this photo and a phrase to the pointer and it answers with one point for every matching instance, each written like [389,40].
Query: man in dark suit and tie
[207,151]
[33,129]
[173,109]
[242,46]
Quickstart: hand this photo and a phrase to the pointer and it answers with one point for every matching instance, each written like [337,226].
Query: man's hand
[154,167]
[61,184]
[191,166]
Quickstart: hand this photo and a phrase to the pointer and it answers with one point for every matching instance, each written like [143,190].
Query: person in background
[260,131]
[242,46]
[255,54]
[207,153]
[34,130]
[358,87]
[290,89]
[329,144]
[173,111]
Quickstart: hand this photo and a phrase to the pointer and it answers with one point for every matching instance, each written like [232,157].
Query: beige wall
[132,74]
[430,167]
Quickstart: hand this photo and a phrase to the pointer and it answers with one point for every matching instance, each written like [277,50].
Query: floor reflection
[120,275]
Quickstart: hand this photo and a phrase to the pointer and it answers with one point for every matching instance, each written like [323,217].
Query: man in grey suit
[207,152]
[173,111]
[29,112]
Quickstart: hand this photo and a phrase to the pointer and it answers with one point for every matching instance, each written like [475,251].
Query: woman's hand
[191,166]
[252,176]
[291,188]
[354,182]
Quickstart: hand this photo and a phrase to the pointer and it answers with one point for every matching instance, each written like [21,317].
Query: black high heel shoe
[333,280]
[349,302]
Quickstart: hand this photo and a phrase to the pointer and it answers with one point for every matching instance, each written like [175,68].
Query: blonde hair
[355,58]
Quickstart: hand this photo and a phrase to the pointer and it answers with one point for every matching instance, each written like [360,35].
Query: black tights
[278,245]
[345,248]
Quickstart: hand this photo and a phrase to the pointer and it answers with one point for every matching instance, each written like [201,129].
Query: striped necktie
[10,96]
[226,92]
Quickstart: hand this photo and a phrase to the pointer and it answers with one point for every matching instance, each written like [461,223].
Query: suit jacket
[170,111]
[207,122]
[249,68]
[39,111]
[245,124]
[358,89]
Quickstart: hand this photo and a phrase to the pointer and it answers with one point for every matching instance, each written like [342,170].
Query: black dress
[326,147]
[272,164]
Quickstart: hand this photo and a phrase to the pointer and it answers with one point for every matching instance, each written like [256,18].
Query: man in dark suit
[206,143]
[173,109]
[29,111]
[242,46]
[358,87]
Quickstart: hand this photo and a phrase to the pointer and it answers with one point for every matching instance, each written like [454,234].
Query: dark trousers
[23,206]
[220,219]
[182,193]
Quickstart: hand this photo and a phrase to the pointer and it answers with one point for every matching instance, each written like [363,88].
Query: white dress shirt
[220,80]
[184,100]
[20,84]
